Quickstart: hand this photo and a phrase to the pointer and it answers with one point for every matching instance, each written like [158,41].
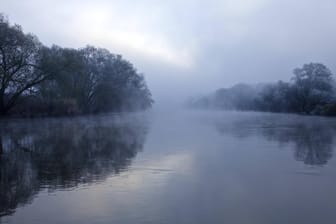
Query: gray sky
[190,47]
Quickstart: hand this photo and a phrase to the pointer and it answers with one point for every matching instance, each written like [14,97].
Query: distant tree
[93,80]
[312,86]
[311,91]
[239,97]
[20,55]
[119,86]
[202,102]
[71,78]
[275,97]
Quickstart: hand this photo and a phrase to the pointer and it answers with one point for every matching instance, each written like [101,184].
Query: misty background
[189,48]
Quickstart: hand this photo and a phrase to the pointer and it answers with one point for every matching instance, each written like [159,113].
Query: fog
[76,145]
[188,48]
[188,167]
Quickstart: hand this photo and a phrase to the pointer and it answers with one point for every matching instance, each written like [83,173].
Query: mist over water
[81,71]
[155,167]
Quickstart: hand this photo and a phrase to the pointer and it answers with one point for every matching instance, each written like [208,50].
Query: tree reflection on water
[63,153]
[312,138]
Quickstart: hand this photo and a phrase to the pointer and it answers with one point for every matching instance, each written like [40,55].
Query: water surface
[182,167]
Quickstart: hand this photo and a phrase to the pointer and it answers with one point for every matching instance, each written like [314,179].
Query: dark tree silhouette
[39,81]
[19,57]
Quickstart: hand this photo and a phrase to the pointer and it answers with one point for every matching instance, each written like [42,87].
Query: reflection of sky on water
[204,167]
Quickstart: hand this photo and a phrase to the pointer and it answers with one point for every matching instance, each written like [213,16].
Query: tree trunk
[4,109]
[1,103]
[1,146]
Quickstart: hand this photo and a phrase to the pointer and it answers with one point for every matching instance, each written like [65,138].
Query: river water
[179,167]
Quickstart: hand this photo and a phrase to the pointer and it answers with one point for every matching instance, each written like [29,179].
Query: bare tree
[20,55]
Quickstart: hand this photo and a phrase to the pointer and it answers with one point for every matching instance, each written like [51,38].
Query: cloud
[191,45]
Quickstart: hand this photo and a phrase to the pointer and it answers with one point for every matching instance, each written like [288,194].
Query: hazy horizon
[191,125]
[192,47]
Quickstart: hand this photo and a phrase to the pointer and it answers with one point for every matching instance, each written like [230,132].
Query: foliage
[20,55]
[37,80]
[311,91]
[312,87]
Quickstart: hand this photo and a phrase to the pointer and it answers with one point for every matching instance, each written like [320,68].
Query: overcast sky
[190,47]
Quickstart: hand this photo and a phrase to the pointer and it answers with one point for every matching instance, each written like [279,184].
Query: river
[181,167]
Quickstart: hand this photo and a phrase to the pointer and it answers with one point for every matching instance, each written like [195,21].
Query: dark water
[186,167]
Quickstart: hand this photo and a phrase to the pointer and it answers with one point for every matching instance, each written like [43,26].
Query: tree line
[36,80]
[311,91]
